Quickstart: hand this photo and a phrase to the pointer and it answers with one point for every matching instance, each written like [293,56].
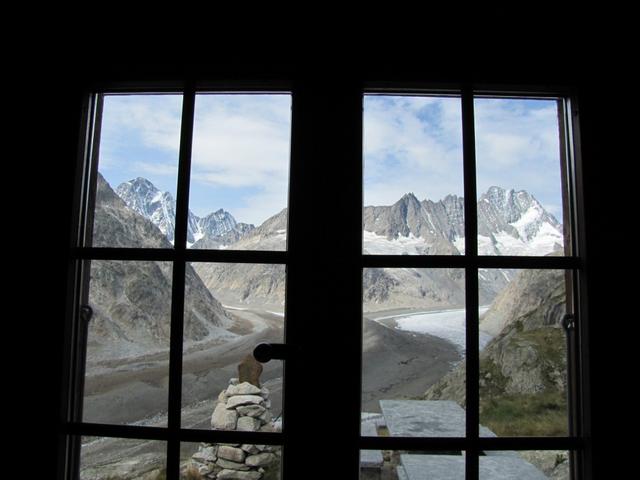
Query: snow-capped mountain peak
[145,199]
[510,222]
[513,222]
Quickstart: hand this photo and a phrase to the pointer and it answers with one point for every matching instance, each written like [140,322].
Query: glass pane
[127,365]
[137,171]
[536,465]
[230,461]
[229,309]
[413,175]
[414,336]
[120,459]
[523,368]
[519,175]
[240,172]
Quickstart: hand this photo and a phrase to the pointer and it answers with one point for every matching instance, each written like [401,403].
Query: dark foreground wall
[51,128]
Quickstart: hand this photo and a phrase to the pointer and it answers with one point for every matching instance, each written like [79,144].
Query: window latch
[86,312]
[569,322]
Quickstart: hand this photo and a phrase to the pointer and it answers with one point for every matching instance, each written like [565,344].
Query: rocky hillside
[386,288]
[250,284]
[132,300]
[523,368]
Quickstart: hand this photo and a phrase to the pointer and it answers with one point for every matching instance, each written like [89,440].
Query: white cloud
[152,121]
[517,146]
[152,169]
[258,208]
[411,144]
[514,133]
[243,142]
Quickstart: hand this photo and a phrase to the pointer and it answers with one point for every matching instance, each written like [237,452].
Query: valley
[413,326]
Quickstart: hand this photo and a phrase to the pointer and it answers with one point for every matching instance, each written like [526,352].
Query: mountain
[515,220]
[510,222]
[218,228]
[413,227]
[514,223]
[132,300]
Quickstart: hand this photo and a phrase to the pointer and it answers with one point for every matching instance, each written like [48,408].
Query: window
[400,245]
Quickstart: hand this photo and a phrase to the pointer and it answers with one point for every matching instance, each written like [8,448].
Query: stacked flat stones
[241,407]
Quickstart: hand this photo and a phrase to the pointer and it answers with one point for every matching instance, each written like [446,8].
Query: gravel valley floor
[396,364]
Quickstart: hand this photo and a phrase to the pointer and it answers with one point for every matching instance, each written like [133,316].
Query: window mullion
[178,285]
[471,285]
[326,176]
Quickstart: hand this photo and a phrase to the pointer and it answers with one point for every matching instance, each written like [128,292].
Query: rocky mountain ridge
[510,222]
[218,228]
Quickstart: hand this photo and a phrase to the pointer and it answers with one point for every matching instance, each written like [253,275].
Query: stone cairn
[243,406]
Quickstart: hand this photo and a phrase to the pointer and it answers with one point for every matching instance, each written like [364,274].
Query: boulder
[251,411]
[244,388]
[223,418]
[251,449]
[260,459]
[206,454]
[231,453]
[248,424]
[236,475]
[229,465]
[240,400]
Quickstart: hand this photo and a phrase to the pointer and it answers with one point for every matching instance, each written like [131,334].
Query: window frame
[80,256]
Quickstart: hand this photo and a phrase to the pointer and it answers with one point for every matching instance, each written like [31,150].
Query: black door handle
[270,351]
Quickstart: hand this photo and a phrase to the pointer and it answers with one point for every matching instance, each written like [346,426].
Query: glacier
[447,324]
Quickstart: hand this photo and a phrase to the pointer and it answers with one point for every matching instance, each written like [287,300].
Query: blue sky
[241,148]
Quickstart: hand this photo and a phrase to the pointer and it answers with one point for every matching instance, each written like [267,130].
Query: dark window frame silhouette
[304,109]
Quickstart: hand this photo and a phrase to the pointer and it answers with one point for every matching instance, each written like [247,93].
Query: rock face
[520,216]
[242,406]
[530,351]
[438,225]
[132,300]
[528,354]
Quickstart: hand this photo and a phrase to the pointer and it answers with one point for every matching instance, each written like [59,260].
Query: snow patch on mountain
[379,244]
